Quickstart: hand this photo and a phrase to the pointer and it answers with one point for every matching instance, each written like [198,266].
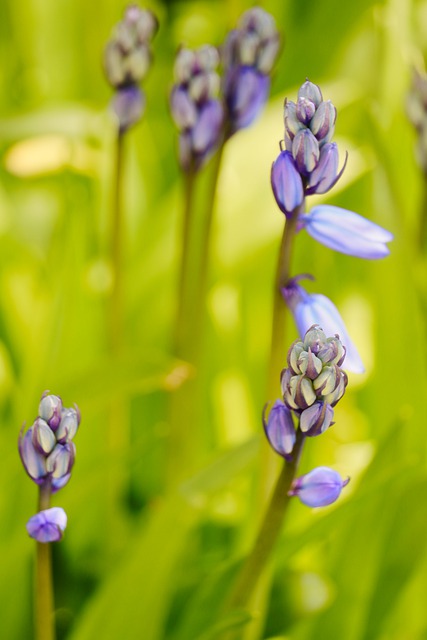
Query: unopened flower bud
[61,460]
[309,364]
[336,395]
[314,338]
[294,353]
[304,394]
[128,106]
[286,183]
[50,408]
[305,150]
[322,124]
[311,92]
[292,122]
[43,438]
[34,462]
[68,426]
[305,110]
[316,419]
[280,430]
[327,381]
[326,174]
[319,487]
[47,525]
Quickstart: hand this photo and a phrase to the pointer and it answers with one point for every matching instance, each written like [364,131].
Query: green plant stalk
[183,444]
[269,531]
[43,596]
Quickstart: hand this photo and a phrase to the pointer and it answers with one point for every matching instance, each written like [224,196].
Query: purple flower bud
[43,438]
[34,462]
[319,487]
[322,124]
[305,110]
[316,419]
[305,150]
[317,309]
[325,175]
[128,106]
[347,232]
[246,91]
[311,92]
[280,430]
[60,461]
[286,183]
[58,483]
[47,525]
[68,426]
[50,409]
[206,130]
[292,122]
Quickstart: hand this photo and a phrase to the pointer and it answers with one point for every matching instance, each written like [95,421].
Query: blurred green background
[139,561]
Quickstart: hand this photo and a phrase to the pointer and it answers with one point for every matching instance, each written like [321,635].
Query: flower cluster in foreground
[48,452]
[312,384]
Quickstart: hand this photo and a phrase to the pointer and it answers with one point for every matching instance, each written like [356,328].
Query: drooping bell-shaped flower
[279,429]
[319,487]
[346,232]
[315,308]
[286,183]
[248,56]
[195,105]
[48,525]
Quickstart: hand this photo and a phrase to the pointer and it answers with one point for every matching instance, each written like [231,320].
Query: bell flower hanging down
[310,164]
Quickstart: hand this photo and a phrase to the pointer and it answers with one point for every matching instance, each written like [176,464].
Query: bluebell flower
[346,232]
[280,430]
[315,308]
[319,487]
[195,106]
[248,57]
[48,525]
[286,183]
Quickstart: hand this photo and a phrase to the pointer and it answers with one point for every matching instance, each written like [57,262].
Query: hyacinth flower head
[47,449]
[248,56]
[195,105]
[315,308]
[127,59]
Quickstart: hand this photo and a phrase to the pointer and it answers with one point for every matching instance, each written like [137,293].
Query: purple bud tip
[280,430]
[286,183]
[48,525]
[319,487]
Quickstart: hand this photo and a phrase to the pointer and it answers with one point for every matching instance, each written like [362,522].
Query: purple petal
[315,308]
[319,487]
[183,109]
[246,93]
[280,430]
[47,525]
[128,105]
[286,183]
[347,232]
[33,461]
[207,129]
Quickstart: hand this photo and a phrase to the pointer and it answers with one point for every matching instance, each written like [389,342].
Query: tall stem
[269,531]
[44,619]
[198,215]
[115,324]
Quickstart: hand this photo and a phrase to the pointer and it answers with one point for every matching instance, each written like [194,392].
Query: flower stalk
[43,594]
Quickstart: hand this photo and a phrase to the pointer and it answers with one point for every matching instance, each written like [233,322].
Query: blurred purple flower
[346,232]
[319,487]
[47,525]
[315,308]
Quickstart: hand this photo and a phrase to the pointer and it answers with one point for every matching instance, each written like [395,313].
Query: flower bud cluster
[127,58]
[47,449]
[309,163]
[195,107]
[248,55]
[314,382]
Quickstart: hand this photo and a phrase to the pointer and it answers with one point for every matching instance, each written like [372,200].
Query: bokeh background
[143,557]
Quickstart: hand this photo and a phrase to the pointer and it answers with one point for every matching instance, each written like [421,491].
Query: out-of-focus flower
[346,232]
[280,430]
[249,54]
[315,308]
[127,58]
[48,525]
[417,114]
[195,106]
[46,449]
[319,487]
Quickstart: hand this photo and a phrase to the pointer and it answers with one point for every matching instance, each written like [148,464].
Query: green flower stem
[43,596]
[423,219]
[190,320]
[269,531]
